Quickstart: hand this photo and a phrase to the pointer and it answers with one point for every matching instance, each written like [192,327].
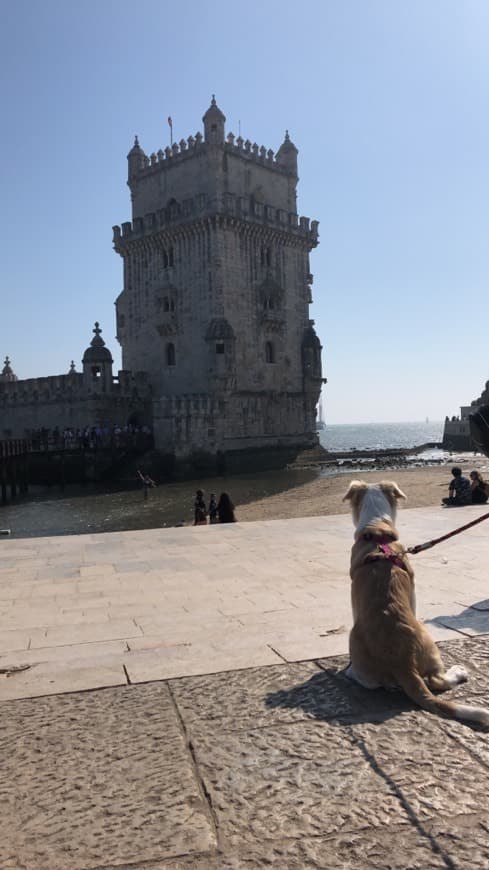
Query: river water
[82,510]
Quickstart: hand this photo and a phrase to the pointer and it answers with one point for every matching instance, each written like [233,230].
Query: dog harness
[383,550]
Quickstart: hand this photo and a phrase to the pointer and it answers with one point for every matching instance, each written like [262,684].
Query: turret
[97,364]
[287,155]
[7,375]
[135,159]
[214,121]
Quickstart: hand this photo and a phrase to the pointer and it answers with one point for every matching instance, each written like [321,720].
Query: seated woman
[478,488]
[225,509]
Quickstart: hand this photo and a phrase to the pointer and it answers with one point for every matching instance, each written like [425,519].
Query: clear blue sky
[388,103]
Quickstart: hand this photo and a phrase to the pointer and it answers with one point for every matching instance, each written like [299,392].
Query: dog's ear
[391,490]
[356,487]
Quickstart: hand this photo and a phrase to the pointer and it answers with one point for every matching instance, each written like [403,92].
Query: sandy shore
[422,486]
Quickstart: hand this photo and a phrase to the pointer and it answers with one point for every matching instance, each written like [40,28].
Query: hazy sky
[388,103]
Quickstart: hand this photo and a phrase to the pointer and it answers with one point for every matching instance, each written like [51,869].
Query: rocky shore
[424,485]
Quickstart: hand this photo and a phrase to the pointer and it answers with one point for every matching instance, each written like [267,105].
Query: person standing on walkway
[212,509]
[200,510]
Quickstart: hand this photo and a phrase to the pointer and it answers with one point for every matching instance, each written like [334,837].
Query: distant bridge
[25,462]
[14,467]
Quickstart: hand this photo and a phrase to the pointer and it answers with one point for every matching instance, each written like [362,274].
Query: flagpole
[170,124]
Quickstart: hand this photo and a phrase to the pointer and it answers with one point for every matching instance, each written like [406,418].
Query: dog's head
[373,502]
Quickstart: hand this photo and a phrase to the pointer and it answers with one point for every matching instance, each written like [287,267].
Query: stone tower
[217,288]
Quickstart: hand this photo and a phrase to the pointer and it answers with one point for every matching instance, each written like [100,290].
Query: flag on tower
[170,122]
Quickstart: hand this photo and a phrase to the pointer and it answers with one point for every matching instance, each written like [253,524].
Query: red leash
[429,544]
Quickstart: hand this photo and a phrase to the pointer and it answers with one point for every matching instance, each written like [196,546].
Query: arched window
[168,304]
[170,354]
[269,352]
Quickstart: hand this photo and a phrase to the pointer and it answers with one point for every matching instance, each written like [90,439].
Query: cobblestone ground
[287,766]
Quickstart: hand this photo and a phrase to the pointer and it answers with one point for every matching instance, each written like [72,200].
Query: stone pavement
[218,731]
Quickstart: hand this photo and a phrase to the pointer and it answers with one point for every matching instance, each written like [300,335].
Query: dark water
[82,510]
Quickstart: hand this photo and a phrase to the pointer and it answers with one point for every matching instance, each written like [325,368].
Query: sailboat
[320,424]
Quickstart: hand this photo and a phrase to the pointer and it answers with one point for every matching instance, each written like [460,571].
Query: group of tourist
[90,437]
[221,511]
[466,490]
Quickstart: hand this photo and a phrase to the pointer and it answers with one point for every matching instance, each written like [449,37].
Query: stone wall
[68,401]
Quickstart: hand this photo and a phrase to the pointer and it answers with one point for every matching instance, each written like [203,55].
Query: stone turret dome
[214,113]
[7,374]
[97,352]
[287,155]
[135,159]
[214,121]
[136,148]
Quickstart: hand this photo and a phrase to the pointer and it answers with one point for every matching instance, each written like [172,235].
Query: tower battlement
[244,208]
[213,164]
[157,161]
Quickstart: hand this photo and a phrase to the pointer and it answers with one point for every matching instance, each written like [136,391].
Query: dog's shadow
[329,695]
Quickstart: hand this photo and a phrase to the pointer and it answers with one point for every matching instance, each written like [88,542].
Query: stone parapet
[68,388]
[185,149]
[244,209]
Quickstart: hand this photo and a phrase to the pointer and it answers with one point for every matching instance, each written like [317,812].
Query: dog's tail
[416,689]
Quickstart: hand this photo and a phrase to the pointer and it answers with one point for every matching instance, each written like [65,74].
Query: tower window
[170,354]
[96,372]
[219,347]
[269,352]
[168,304]
[168,258]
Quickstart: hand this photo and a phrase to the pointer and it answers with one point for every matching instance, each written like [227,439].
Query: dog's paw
[457,674]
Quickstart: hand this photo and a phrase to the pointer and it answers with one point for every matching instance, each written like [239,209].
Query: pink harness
[386,552]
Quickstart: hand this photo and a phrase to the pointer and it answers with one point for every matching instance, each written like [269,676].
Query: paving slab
[294,781]
[51,678]
[261,697]
[98,778]
[401,847]
[418,761]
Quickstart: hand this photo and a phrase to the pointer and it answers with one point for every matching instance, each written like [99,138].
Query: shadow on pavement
[353,702]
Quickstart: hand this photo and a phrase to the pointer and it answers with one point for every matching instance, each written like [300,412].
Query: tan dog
[388,646]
